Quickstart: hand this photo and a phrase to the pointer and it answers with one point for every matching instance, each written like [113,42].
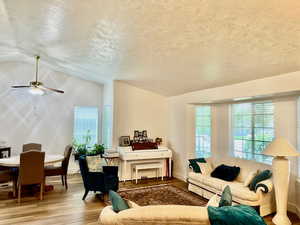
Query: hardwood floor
[66,207]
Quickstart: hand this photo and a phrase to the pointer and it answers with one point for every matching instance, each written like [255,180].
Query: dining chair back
[61,170]
[67,155]
[31,170]
[32,146]
[5,175]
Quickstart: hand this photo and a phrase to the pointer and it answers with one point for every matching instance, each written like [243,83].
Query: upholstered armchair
[98,181]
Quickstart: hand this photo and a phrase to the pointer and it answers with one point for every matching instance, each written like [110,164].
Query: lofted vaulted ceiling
[167,46]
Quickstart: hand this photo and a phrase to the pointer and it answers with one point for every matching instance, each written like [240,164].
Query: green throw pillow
[264,175]
[238,214]
[226,198]
[117,202]
[195,166]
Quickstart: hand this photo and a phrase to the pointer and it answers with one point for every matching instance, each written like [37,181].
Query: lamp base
[281,220]
[281,173]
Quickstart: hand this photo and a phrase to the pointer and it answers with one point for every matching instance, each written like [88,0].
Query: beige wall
[181,120]
[138,109]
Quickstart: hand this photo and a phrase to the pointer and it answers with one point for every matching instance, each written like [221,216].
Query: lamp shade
[281,147]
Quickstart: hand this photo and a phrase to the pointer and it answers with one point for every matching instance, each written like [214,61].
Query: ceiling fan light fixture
[36,91]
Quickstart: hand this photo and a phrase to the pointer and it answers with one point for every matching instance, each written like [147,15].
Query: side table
[111,159]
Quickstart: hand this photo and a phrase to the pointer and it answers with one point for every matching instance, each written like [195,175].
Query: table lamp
[280,148]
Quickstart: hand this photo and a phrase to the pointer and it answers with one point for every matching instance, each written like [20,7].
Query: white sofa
[155,215]
[207,186]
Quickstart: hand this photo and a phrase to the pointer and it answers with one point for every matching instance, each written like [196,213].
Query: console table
[5,150]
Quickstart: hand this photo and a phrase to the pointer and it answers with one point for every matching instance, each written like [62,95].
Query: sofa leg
[85,194]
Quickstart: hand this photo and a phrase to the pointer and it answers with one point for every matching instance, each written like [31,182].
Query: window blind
[203,132]
[86,125]
[252,130]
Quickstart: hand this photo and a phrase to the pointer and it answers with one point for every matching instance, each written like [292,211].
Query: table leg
[170,167]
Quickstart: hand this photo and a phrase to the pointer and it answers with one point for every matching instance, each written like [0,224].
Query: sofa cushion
[250,177]
[239,191]
[240,214]
[118,203]
[196,176]
[226,198]
[213,182]
[205,168]
[264,175]
[228,173]
[194,165]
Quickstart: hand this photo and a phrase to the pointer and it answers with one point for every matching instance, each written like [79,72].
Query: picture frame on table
[144,134]
[124,141]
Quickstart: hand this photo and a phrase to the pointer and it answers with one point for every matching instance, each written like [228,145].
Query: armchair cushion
[95,163]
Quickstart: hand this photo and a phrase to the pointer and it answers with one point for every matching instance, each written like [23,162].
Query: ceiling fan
[36,87]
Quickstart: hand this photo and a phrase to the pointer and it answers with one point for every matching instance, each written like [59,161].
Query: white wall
[138,109]
[43,119]
[108,113]
[181,118]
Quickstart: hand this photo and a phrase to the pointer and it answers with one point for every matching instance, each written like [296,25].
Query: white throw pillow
[205,168]
[214,201]
[250,177]
[95,163]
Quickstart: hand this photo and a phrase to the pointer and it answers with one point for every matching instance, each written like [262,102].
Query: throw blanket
[234,215]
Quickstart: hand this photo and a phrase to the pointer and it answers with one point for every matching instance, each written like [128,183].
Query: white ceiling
[167,46]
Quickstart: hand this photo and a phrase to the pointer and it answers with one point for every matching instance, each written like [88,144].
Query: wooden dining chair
[31,171]
[6,176]
[61,170]
[32,146]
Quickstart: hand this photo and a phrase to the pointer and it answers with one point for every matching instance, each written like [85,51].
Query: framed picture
[136,133]
[144,134]
[124,141]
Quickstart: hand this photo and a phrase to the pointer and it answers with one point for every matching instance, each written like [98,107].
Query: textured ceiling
[167,46]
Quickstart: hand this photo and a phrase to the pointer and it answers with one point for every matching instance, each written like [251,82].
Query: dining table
[14,162]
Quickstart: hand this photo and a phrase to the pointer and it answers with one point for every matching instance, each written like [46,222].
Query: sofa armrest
[265,186]
[165,214]
[108,216]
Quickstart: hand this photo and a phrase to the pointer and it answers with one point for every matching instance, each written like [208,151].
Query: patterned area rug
[164,194]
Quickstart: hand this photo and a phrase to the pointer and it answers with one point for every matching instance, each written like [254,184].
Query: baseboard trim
[292,207]
[298,211]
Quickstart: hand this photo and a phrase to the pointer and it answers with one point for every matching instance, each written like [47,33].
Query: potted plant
[98,149]
[81,148]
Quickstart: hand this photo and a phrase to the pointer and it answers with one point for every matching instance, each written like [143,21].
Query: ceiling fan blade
[51,89]
[21,86]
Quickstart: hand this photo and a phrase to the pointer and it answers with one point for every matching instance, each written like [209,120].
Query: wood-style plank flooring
[63,207]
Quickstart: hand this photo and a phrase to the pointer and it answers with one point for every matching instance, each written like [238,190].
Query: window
[203,131]
[107,126]
[86,125]
[253,130]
